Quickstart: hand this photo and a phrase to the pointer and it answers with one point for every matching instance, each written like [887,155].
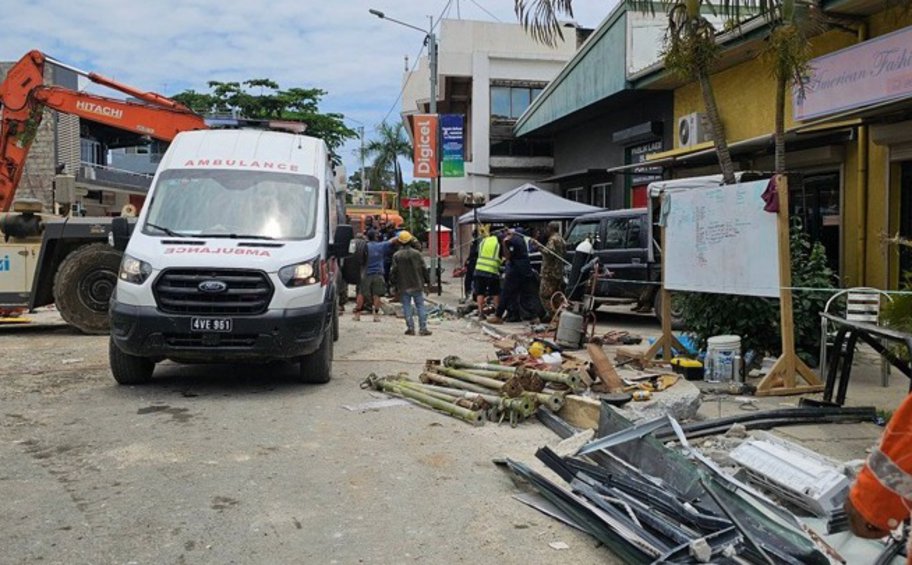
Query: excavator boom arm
[154,121]
[24,96]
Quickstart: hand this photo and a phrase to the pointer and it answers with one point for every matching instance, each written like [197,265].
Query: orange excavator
[24,95]
[65,261]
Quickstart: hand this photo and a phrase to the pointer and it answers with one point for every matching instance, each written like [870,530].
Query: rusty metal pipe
[472,416]
[571,379]
[553,402]
[524,405]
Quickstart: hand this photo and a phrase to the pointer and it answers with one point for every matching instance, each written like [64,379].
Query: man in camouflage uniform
[552,269]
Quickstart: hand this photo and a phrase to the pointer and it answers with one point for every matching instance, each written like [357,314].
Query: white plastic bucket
[721,350]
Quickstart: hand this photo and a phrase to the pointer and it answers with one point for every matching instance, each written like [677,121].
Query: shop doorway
[905,217]
[817,203]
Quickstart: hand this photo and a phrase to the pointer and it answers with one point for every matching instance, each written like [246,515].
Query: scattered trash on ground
[375,405]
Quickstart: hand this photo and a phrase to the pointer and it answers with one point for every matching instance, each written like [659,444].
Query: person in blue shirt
[373,284]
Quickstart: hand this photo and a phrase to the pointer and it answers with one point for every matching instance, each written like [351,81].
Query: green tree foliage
[263,99]
[897,313]
[416,219]
[390,144]
[755,319]
[354,182]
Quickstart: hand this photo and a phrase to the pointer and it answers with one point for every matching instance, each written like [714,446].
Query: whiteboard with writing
[721,240]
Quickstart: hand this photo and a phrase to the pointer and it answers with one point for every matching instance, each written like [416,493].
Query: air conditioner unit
[692,129]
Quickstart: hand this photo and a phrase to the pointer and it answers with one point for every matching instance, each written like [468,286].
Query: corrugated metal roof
[594,73]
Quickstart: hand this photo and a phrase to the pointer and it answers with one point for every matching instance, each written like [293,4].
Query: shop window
[575,194]
[817,204]
[520,148]
[905,222]
[500,102]
[509,102]
[601,194]
[90,152]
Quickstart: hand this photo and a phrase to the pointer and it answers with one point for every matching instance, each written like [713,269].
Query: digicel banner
[425,136]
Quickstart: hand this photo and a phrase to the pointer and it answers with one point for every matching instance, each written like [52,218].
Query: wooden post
[668,340]
[781,378]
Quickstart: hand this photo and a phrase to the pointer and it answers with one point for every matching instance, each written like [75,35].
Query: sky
[168,46]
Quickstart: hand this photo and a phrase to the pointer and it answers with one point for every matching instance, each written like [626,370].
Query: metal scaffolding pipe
[454,383]
[472,416]
[454,362]
[469,377]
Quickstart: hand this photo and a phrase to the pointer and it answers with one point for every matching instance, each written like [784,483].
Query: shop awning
[705,153]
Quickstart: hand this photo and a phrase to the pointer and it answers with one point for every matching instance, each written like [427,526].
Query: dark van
[621,241]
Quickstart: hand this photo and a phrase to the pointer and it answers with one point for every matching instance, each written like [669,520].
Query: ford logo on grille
[212,287]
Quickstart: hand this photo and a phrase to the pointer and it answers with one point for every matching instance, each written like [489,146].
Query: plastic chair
[862,305]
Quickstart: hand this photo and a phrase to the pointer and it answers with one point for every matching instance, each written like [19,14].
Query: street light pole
[434,240]
[363,180]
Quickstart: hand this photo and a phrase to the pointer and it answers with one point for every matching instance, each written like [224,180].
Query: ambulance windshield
[233,204]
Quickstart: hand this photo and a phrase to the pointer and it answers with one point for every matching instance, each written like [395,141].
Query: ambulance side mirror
[341,241]
[121,230]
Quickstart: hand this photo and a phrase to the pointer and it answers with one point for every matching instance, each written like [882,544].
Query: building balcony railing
[102,177]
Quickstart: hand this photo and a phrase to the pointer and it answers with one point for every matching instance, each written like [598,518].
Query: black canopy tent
[528,203]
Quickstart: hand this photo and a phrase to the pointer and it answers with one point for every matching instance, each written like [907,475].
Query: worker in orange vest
[881,497]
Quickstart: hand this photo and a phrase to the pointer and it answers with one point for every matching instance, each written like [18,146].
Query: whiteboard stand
[668,340]
[781,380]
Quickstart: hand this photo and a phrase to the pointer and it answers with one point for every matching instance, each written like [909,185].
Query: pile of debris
[650,496]
[650,503]
[480,392]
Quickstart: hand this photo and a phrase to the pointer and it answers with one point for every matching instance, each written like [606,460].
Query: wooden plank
[667,337]
[782,378]
[581,411]
[604,368]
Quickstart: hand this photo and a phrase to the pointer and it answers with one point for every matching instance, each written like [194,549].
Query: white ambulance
[233,258]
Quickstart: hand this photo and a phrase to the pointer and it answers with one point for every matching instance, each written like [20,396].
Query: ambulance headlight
[132,270]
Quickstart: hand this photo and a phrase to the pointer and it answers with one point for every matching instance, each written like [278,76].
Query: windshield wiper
[168,231]
[234,236]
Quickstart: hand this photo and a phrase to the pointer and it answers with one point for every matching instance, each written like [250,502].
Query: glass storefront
[817,204]
[905,217]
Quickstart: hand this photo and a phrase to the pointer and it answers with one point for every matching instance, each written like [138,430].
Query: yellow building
[849,140]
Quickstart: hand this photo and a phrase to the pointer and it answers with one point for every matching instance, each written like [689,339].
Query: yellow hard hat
[537,349]
[404,237]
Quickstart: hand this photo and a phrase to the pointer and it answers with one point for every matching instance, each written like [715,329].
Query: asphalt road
[240,464]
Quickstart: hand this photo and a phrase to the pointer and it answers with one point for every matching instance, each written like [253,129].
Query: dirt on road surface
[241,464]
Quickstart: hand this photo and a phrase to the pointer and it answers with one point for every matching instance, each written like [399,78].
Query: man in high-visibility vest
[881,497]
[487,271]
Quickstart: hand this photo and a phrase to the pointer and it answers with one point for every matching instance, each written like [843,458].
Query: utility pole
[434,240]
[363,180]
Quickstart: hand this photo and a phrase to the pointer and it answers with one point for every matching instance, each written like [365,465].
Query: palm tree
[691,50]
[789,53]
[390,144]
